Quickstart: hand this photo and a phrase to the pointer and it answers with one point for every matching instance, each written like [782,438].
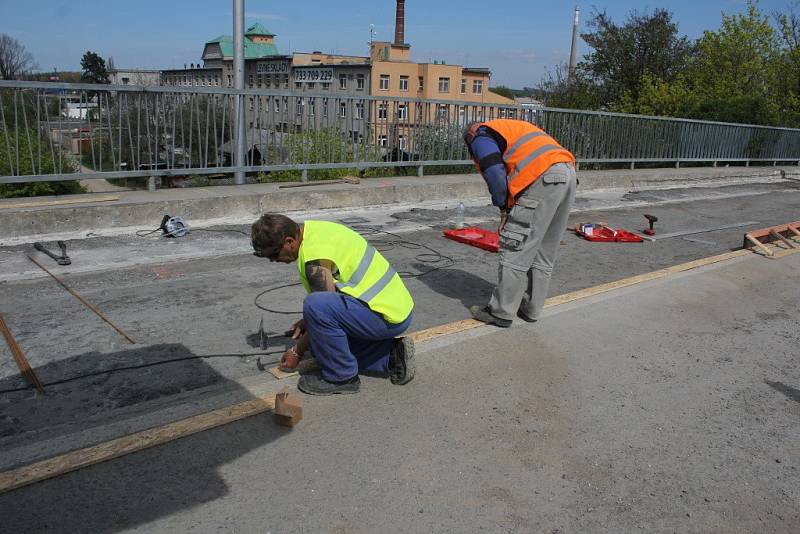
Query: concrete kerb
[141,209]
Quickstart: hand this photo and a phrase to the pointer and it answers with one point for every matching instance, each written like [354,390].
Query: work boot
[401,361]
[485,316]
[314,384]
[525,317]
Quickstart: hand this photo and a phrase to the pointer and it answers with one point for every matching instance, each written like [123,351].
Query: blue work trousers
[347,337]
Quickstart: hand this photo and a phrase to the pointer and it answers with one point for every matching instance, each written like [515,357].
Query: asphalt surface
[669,407]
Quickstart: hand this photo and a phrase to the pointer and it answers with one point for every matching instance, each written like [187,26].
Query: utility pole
[573,56]
[239,137]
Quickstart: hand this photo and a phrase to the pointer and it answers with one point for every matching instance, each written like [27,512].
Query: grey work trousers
[529,243]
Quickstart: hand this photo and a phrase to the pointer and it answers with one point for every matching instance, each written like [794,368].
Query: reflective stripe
[533,155]
[521,141]
[361,270]
[378,286]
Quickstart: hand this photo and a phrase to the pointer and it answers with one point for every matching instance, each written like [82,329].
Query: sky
[519,40]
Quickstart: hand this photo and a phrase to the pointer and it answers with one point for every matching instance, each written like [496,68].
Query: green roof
[258,29]
[251,50]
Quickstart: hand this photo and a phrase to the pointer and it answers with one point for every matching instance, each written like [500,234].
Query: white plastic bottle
[459,223]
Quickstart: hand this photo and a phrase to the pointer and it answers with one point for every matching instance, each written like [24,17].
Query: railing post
[151,184]
[633,165]
[420,171]
[678,164]
[715,164]
[304,175]
[238,83]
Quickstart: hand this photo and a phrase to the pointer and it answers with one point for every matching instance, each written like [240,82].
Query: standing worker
[356,307]
[531,178]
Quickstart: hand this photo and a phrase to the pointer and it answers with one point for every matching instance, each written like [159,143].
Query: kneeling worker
[356,307]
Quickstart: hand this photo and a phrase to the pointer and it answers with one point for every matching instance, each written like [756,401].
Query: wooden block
[288,408]
[309,365]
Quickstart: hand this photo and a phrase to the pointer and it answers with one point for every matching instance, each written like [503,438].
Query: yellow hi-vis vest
[528,154]
[359,270]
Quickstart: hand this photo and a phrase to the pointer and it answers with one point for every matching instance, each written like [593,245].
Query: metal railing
[57,131]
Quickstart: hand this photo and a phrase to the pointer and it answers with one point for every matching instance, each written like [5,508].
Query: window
[404,83]
[402,112]
[277,106]
[382,111]
[285,81]
[250,80]
[311,106]
[343,109]
[360,82]
[229,80]
[401,142]
[441,111]
[260,80]
[325,86]
[343,81]
[462,115]
[382,140]
[421,83]
[311,85]
[463,85]
[384,83]
[298,85]
[251,103]
[359,110]
[325,107]
[477,87]
[299,107]
[444,85]
[125,81]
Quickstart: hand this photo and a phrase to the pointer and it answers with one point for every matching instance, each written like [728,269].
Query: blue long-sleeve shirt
[490,160]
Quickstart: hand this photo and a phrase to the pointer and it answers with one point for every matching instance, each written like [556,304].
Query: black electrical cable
[145,365]
[145,233]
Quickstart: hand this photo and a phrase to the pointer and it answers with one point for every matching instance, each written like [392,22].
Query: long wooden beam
[71,461]
[19,357]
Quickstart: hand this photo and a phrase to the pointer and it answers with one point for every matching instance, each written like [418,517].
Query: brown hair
[269,232]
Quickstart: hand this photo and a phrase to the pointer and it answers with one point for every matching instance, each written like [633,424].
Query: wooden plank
[793,229]
[115,448]
[308,365]
[445,329]
[638,279]
[19,357]
[468,324]
[782,239]
[763,232]
[759,245]
[66,201]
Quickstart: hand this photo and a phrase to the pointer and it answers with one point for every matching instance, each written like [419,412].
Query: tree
[502,90]
[646,44]
[15,61]
[94,68]
[558,90]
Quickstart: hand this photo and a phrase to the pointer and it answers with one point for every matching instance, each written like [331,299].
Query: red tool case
[609,235]
[477,237]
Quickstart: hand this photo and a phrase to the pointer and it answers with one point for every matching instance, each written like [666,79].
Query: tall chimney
[400,22]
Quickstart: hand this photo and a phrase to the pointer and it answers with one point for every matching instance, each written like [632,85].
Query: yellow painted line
[468,324]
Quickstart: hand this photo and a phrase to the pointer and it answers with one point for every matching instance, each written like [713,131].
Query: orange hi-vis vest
[528,154]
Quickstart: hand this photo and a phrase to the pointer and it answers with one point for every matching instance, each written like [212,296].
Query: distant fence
[54,131]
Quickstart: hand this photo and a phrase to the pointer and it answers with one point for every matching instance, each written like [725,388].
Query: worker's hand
[503,220]
[298,329]
[290,359]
